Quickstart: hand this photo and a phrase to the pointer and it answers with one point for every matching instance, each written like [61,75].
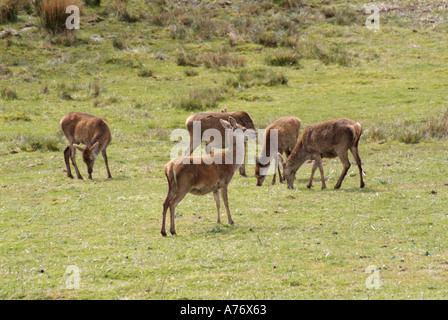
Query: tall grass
[434,127]
[8,10]
[283,58]
[201,99]
[93,3]
[210,60]
[52,15]
[8,94]
[258,77]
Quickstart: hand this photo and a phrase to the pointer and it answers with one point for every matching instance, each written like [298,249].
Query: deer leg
[274,178]
[226,203]
[67,162]
[355,153]
[171,193]
[321,169]
[280,176]
[103,153]
[242,168]
[73,158]
[313,170]
[346,164]
[173,204]
[217,202]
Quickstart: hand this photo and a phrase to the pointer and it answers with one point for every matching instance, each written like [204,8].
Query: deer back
[85,128]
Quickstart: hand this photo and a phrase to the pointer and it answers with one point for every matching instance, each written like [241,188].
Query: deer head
[88,155]
[288,173]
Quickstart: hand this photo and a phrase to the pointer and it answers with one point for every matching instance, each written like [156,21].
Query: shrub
[93,3]
[32,143]
[257,77]
[436,126]
[8,94]
[334,53]
[201,99]
[121,8]
[213,60]
[191,73]
[283,58]
[8,10]
[52,15]
[188,59]
[5,71]
[291,3]
[267,38]
[95,88]
[146,73]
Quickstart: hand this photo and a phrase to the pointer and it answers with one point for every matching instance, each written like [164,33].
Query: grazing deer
[79,127]
[328,139]
[287,134]
[212,173]
[211,120]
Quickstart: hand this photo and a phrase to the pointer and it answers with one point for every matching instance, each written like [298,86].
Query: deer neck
[235,154]
[297,157]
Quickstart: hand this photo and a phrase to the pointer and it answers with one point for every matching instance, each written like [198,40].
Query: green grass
[286,244]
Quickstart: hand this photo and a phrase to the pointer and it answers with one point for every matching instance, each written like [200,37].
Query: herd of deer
[201,175]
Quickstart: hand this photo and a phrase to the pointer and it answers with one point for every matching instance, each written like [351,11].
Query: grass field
[144,70]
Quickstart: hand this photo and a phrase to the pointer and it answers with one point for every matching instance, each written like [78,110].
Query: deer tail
[357,128]
[170,176]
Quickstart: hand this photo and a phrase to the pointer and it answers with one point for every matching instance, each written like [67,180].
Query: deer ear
[226,124]
[233,122]
[79,148]
[94,146]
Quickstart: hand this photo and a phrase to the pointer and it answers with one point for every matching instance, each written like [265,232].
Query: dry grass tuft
[52,15]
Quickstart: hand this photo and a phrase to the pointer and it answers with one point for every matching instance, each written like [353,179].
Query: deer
[287,134]
[90,130]
[329,139]
[211,120]
[200,175]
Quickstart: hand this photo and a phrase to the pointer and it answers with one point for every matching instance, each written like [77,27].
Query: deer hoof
[163,233]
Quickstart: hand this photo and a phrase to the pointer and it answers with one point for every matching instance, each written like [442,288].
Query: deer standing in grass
[211,120]
[287,134]
[328,139]
[204,174]
[90,130]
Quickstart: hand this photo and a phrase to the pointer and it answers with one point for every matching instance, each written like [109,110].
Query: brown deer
[90,130]
[205,174]
[211,120]
[328,139]
[287,134]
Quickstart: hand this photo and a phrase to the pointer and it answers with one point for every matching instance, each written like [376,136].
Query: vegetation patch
[259,77]
[201,99]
